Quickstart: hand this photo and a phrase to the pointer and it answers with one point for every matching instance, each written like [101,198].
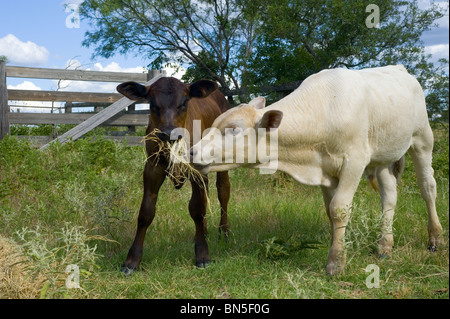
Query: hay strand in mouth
[179,169]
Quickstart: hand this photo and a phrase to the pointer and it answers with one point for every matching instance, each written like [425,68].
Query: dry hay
[179,169]
[15,281]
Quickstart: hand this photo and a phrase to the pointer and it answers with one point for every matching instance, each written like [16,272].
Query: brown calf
[174,104]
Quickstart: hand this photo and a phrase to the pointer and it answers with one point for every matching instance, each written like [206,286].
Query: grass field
[78,203]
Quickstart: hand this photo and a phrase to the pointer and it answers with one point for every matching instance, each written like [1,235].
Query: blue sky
[44,23]
[35,33]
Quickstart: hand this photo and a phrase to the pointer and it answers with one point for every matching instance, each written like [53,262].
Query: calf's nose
[163,136]
[193,153]
[170,134]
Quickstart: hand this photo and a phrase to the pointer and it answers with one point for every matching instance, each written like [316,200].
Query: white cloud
[23,53]
[115,67]
[74,2]
[25,85]
[438,51]
[175,70]
[74,64]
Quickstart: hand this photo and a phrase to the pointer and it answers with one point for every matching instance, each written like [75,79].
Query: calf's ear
[202,88]
[271,119]
[258,102]
[133,91]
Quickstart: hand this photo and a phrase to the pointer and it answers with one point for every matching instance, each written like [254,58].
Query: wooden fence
[112,115]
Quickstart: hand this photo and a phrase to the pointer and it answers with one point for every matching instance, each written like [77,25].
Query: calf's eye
[154,108]
[183,107]
[233,131]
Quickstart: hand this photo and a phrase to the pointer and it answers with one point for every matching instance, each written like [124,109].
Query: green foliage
[12,151]
[63,198]
[167,31]
[51,260]
[441,150]
[40,130]
[251,44]
[194,73]
[437,97]
[274,248]
[299,38]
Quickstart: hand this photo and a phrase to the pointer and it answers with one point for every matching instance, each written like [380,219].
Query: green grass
[279,237]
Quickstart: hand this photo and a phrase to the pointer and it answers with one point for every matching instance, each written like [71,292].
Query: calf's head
[242,136]
[169,100]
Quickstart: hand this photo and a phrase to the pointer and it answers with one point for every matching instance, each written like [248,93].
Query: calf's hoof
[433,243]
[202,264]
[433,248]
[384,252]
[223,234]
[127,271]
[334,269]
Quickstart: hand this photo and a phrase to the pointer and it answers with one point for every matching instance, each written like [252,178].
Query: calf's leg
[223,192]
[153,178]
[387,184]
[339,212]
[197,208]
[421,154]
[327,194]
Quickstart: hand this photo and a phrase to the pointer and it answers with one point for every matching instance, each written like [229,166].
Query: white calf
[338,125]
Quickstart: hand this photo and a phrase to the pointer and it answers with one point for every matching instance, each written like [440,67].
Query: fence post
[132,128]
[68,107]
[97,108]
[4,109]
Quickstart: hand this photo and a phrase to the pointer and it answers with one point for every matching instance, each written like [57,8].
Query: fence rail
[78,75]
[62,96]
[113,115]
[121,119]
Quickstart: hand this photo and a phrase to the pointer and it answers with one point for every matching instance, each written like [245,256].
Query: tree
[262,45]
[436,82]
[299,37]
[210,34]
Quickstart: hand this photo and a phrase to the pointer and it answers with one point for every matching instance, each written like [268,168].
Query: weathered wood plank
[61,96]
[120,119]
[4,109]
[76,75]
[99,118]
[131,140]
